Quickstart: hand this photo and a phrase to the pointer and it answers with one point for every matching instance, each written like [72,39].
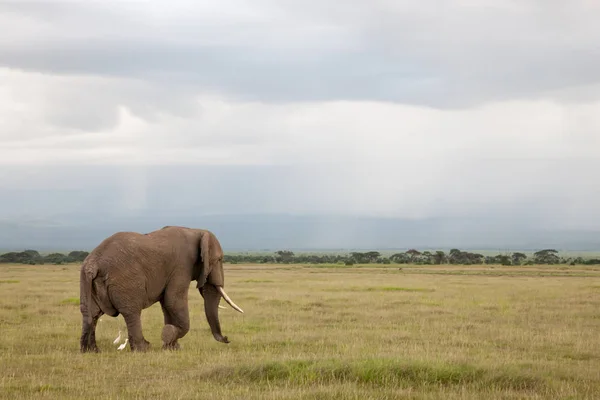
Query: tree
[464,257]
[400,258]
[439,257]
[505,259]
[77,256]
[24,257]
[284,256]
[426,258]
[413,254]
[34,254]
[547,256]
[455,256]
[454,252]
[55,258]
[517,258]
[372,256]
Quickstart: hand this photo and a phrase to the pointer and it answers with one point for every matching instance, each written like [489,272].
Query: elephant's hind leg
[177,321]
[87,343]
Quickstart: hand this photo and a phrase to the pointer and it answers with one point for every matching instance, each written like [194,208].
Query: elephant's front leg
[177,322]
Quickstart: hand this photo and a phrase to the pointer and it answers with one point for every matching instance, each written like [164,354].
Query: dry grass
[319,333]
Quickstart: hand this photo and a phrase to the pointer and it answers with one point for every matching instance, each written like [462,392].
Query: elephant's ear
[205,255]
[212,268]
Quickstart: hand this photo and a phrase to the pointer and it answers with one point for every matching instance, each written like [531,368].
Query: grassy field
[318,333]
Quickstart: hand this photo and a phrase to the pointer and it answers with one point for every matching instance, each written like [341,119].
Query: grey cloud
[179,72]
[91,103]
[449,56]
[247,205]
[204,190]
[88,113]
[246,74]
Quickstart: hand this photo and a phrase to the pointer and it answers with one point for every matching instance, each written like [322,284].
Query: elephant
[129,271]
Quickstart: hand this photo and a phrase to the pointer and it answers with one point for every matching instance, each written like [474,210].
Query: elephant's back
[116,242]
[121,248]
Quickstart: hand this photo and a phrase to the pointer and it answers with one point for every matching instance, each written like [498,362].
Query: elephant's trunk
[211,308]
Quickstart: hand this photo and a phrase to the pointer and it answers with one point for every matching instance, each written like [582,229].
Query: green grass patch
[377,372]
[580,356]
[503,273]
[344,266]
[71,301]
[9,281]
[381,289]
[397,289]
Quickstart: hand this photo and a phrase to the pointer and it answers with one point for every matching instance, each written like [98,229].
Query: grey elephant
[130,271]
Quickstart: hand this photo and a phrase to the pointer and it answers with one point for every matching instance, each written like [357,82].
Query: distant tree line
[33,257]
[454,256]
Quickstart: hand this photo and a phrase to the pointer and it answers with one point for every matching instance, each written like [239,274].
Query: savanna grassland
[308,332]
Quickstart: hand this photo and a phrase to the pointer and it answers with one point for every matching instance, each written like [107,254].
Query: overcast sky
[363,107]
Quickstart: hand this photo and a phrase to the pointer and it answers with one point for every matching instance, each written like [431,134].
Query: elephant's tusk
[220,306]
[228,300]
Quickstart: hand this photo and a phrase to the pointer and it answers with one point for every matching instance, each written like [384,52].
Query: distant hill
[308,232]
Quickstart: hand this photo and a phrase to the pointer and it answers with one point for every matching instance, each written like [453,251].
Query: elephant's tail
[88,273]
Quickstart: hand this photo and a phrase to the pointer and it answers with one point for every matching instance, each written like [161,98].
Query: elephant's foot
[140,346]
[171,346]
[170,334]
[90,349]
[87,343]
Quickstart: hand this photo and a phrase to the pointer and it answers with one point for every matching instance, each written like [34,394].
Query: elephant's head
[211,280]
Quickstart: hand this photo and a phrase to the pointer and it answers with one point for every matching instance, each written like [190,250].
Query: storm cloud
[387,109]
[439,54]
